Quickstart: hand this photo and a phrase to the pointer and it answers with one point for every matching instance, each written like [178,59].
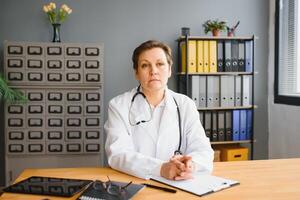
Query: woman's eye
[161,64]
[144,65]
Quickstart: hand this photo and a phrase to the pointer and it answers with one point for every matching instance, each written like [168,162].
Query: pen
[160,188]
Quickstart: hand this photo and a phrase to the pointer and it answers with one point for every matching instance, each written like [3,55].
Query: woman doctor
[151,130]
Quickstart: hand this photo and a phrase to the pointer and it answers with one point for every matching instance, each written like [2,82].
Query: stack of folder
[232,125]
[221,91]
[211,56]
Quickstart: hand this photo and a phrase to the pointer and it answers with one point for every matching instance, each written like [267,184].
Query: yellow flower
[45,8]
[54,15]
[52,5]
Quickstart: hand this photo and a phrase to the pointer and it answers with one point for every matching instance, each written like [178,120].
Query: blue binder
[249,125]
[249,56]
[235,125]
[243,124]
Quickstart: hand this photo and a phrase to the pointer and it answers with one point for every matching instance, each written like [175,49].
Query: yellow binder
[200,66]
[212,56]
[192,68]
[205,56]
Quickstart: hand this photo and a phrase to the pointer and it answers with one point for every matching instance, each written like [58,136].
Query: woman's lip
[154,80]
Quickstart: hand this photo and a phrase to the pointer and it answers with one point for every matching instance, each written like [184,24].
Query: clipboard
[200,185]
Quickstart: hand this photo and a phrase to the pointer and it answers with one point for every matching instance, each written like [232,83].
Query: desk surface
[260,180]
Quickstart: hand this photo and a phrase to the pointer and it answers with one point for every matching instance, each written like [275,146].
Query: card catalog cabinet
[61,125]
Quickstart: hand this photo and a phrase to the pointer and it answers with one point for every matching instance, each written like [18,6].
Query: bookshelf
[218,74]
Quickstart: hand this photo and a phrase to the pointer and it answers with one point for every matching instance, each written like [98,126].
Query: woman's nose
[154,69]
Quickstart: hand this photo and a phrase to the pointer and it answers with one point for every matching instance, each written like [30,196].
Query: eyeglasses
[112,188]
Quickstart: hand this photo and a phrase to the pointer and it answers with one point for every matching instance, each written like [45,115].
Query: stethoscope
[138,92]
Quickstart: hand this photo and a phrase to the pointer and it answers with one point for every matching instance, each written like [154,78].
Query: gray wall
[123,24]
[284,120]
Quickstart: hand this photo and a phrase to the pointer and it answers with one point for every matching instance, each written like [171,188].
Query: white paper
[200,185]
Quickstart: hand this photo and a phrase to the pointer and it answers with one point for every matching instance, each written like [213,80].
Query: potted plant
[10,95]
[214,26]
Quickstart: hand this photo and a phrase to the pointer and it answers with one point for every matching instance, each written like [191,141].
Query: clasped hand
[179,167]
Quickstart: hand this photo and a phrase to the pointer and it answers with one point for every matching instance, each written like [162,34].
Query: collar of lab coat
[168,100]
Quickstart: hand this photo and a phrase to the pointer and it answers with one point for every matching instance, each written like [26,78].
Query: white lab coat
[132,149]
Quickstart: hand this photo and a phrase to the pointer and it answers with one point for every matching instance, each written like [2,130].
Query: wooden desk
[260,180]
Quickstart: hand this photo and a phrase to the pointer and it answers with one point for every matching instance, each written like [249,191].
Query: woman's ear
[170,71]
[136,75]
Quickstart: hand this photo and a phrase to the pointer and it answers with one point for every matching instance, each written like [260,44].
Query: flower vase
[56,33]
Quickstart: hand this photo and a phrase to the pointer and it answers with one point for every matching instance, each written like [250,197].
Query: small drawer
[92,77]
[92,134]
[73,64]
[35,122]
[35,135]
[92,96]
[35,109]
[55,134]
[34,50]
[92,51]
[35,76]
[73,51]
[74,134]
[92,109]
[55,122]
[36,148]
[55,148]
[92,64]
[74,96]
[15,49]
[55,77]
[74,109]
[34,64]
[15,109]
[15,122]
[55,109]
[92,122]
[16,148]
[16,135]
[74,148]
[15,63]
[54,64]
[73,122]
[55,96]
[54,50]
[73,77]
[91,147]
[15,76]
[36,96]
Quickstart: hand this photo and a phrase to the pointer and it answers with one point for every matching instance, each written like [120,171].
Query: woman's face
[153,70]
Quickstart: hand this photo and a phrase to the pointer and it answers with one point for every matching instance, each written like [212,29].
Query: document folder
[200,185]
[191,57]
[214,136]
[220,56]
[195,89]
[249,124]
[207,124]
[235,125]
[241,56]
[202,91]
[212,56]
[249,56]
[200,61]
[243,124]
[246,90]
[238,91]
[221,126]
[206,56]
[234,55]
[224,91]
[228,64]
[228,125]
